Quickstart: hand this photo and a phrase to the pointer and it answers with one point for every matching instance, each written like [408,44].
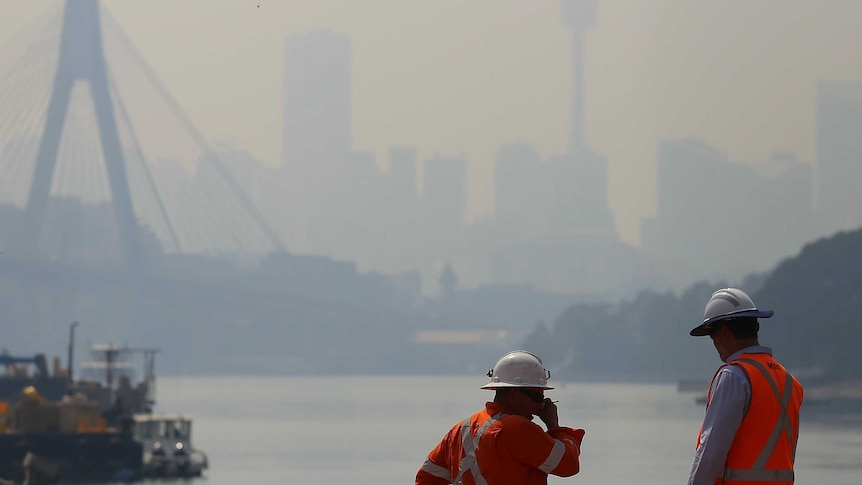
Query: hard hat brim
[505,385]
[705,328]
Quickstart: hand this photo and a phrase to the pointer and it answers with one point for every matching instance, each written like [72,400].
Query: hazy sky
[464,77]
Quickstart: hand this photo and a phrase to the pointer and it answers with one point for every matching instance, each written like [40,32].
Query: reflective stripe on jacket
[494,447]
[764,447]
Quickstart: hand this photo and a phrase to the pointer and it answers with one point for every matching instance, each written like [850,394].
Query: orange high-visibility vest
[764,447]
[493,447]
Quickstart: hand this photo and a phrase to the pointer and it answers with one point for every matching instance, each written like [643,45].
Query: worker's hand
[548,414]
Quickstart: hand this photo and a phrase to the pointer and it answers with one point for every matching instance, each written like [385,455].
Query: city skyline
[464,79]
[383,265]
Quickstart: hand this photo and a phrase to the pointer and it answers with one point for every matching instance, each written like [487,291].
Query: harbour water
[377,430]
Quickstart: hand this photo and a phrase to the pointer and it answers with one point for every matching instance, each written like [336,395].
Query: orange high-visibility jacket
[764,447]
[495,447]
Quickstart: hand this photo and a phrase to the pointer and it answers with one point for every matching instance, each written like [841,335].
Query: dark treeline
[816,331]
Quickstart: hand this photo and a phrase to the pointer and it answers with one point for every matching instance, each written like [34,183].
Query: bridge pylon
[82,58]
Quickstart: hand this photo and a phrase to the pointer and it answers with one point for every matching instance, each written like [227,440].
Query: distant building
[262,186]
[444,193]
[564,232]
[248,172]
[317,99]
[556,230]
[580,193]
[317,130]
[350,230]
[580,177]
[398,246]
[563,237]
[718,219]
[522,190]
[403,175]
[579,15]
[839,154]
[592,264]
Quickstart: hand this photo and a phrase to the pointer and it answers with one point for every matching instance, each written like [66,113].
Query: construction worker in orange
[500,445]
[751,426]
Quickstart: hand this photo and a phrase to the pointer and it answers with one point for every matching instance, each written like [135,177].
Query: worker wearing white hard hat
[751,426]
[500,445]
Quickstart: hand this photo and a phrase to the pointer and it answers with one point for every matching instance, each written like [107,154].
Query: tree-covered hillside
[816,295]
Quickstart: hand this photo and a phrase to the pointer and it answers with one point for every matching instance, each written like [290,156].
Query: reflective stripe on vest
[436,470]
[554,457]
[758,471]
[469,444]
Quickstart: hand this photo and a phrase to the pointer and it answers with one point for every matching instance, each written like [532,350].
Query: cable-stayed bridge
[103,173]
[98,163]
[88,128]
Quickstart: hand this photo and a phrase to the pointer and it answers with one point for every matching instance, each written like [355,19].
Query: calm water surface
[377,430]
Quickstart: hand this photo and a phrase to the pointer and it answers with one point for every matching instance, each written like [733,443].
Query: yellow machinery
[4,409]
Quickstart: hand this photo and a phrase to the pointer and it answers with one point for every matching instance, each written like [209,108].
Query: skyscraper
[444,191]
[580,193]
[521,190]
[403,175]
[317,130]
[839,154]
[721,219]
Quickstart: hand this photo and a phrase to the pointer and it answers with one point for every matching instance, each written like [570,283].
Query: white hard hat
[518,368]
[727,303]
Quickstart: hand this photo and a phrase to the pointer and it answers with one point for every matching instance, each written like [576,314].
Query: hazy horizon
[465,78]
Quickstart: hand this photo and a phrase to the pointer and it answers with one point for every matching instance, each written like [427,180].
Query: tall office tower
[521,190]
[444,192]
[580,194]
[705,200]
[403,174]
[399,243]
[317,130]
[839,154]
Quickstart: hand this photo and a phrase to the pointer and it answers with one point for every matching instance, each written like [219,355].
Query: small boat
[111,379]
[97,428]
[64,441]
[167,444]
